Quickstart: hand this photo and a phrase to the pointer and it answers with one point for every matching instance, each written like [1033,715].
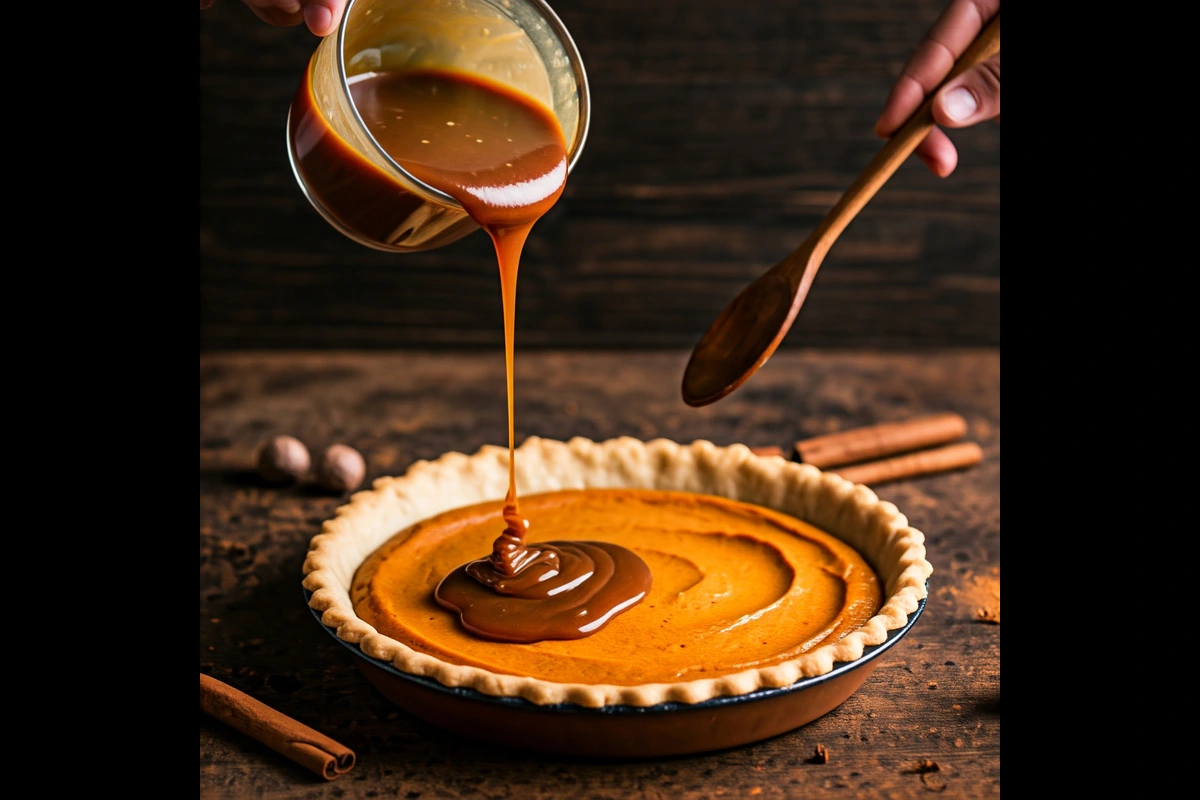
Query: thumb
[322,16]
[970,98]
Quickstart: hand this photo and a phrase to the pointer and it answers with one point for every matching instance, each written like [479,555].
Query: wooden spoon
[747,332]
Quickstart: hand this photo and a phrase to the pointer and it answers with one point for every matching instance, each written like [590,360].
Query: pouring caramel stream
[502,156]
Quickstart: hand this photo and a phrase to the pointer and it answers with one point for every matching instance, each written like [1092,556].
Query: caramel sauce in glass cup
[344,172]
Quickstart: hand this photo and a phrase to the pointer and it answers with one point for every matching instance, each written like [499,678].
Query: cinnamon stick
[876,441]
[276,730]
[767,451]
[924,462]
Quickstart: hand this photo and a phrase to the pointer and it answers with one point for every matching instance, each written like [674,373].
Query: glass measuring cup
[348,177]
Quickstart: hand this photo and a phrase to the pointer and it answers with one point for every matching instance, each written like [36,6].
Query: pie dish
[621,716]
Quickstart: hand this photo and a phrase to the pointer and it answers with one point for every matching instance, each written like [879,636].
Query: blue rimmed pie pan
[622,731]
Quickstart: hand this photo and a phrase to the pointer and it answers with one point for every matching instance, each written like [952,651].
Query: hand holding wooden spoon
[971,98]
[749,329]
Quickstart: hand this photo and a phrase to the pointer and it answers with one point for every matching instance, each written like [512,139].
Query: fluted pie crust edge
[849,511]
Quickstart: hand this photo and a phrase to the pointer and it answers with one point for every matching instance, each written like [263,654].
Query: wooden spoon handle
[902,143]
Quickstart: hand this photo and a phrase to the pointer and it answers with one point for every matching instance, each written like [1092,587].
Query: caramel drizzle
[503,157]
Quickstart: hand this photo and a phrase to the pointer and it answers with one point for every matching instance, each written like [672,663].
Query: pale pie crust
[849,511]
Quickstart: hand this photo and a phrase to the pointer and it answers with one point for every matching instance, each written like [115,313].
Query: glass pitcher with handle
[349,179]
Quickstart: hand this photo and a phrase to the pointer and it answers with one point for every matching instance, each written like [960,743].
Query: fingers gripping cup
[346,174]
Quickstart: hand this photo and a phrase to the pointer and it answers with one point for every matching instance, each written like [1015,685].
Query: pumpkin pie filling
[735,587]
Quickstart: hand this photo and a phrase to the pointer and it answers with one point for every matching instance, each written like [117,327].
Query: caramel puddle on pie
[736,586]
[502,156]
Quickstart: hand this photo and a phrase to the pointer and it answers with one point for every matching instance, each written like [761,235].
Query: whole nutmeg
[283,459]
[341,468]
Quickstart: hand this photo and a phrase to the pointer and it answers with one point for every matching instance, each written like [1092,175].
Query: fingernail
[317,18]
[959,104]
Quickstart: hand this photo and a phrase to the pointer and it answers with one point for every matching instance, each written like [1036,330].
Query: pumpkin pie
[764,571]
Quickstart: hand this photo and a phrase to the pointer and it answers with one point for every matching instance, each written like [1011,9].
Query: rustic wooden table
[927,719]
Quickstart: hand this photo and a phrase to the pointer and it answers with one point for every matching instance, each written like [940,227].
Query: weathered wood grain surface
[722,131]
[936,696]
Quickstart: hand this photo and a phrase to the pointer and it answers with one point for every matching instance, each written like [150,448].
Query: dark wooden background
[723,130]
